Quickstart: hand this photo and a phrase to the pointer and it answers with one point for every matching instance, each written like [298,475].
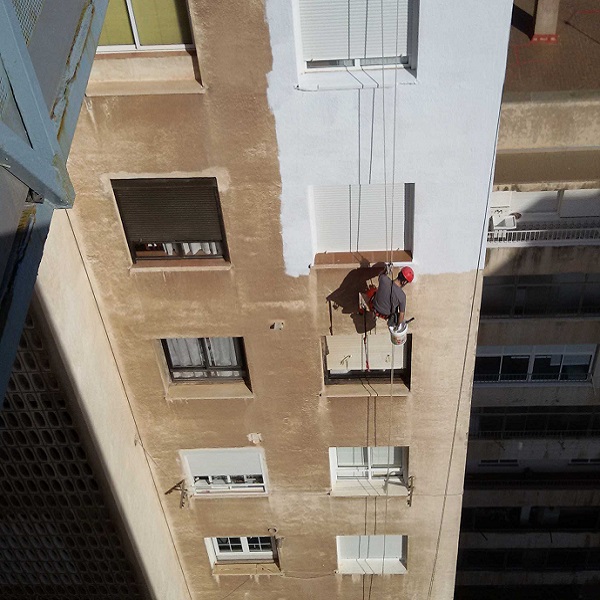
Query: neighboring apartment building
[239,171]
[530,525]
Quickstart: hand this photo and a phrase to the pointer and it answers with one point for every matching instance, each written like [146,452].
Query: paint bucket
[399,334]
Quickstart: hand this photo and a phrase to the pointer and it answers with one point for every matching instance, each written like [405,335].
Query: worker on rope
[388,301]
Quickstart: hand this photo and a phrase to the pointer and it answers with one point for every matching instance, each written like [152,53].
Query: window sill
[352,260]
[179,264]
[145,73]
[246,569]
[223,495]
[364,487]
[363,388]
[371,566]
[352,79]
[208,391]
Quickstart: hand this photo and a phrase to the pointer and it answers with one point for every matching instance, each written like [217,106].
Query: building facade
[243,172]
[529,527]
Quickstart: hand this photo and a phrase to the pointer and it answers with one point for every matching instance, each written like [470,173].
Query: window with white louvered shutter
[355,33]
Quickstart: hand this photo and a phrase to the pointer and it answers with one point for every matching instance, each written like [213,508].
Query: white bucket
[399,334]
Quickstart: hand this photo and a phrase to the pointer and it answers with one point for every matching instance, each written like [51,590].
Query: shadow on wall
[523,21]
[345,297]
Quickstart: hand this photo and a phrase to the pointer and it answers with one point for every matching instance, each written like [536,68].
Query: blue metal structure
[46,55]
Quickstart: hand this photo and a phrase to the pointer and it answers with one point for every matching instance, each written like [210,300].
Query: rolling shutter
[338,29]
[169,210]
[223,461]
[345,214]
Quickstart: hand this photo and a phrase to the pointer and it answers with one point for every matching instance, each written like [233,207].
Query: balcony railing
[551,233]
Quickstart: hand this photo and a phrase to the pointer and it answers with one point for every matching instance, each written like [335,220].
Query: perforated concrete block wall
[57,536]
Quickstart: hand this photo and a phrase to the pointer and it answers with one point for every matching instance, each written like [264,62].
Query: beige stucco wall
[227,131]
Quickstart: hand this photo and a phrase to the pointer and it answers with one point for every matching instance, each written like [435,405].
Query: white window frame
[393,563]
[369,480]
[533,352]
[218,556]
[137,45]
[209,484]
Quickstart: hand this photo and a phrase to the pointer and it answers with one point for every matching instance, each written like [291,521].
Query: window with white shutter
[352,218]
[348,357]
[372,554]
[356,33]
[225,471]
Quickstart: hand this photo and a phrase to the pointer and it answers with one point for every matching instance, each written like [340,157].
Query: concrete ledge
[352,260]
[363,487]
[364,389]
[154,266]
[145,73]
[208,391]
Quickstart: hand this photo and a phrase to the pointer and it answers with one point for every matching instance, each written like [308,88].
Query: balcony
[567,217]
[565,232]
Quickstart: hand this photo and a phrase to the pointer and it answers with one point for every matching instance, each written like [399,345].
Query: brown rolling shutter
[169,210]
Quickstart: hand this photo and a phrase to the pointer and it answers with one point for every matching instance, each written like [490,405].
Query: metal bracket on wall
[40,163]
[411,489]
[180,487]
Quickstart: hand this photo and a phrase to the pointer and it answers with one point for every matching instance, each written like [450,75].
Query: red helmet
[407,274]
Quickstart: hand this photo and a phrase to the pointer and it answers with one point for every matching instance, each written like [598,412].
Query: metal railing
[547,234]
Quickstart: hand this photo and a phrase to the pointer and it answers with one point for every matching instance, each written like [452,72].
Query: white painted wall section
[440,131]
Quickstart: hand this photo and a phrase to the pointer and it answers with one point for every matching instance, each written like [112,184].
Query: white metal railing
[547,234]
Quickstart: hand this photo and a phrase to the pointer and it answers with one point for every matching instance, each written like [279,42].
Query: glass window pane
[116,30]
[568,297]
[536,300]
[221,352]
[514,368]
[351,456]
[591,298]
[575,367]
[496,300]
[162,22]
[487,368]
[383,456]
[546,367]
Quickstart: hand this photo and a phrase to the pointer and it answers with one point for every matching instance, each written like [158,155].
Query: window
[372,554]
[510,422]
[241,549]
[201,359]
[351,218]
[346,358]
[171,218]
[569,294]
[142,25]
[377,469]
[342,34]
[225,471]
[534,363]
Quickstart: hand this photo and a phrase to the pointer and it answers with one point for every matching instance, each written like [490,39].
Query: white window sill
[374,487]
[365,387]
[231,494]
[266,568]
[352,79]
[145,73]
[208,391]
[371,566]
